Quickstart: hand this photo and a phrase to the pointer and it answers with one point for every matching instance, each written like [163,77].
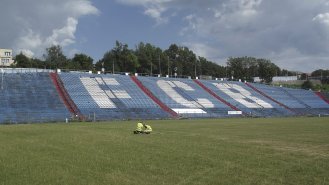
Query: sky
[293,34]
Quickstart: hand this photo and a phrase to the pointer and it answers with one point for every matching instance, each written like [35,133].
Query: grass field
[222,151]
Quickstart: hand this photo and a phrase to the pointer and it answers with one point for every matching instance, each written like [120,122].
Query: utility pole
[168,64]
[195,69]
[159,65]
[151,67]
[113,67]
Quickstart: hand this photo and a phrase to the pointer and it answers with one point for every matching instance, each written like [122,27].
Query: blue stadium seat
[29,98]
[110,97]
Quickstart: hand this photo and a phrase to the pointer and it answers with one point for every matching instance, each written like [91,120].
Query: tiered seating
[210,104]
[133,97]
[282,95]
[314,104]
[29,98]
[32,97]
[326,95]
[279,95]
[268,108]
[244,98]
[185,97]
[323,95]
[108,97]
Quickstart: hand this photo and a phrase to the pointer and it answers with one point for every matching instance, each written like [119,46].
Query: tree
[209,68]
[243,68]
[38,63]
[181,59]
[149,58]
[307,85]
[188,63]
[320,73]
[248,67]
[55,58]
[236,68]
[119,59]
[22,61]
[81,62]
[172,54]
[267,70]
[303,76]
[285,72]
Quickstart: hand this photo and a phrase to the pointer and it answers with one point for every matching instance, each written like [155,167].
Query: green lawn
[222,151]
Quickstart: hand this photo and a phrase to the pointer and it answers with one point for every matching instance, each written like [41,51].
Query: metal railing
[25,70]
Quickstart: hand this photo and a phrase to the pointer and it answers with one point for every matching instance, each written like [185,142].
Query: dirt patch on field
[307,149]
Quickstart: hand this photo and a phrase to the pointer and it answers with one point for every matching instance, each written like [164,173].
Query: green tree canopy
[119,59]
[149,59]
[182,61]
[22,61]
[81,62]
[307,85]
[320,73]
[55,58]
[245,68]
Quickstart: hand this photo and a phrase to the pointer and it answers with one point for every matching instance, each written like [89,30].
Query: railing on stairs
[68,102]
[269,97]
[322,97]
[218,97]
[154,98]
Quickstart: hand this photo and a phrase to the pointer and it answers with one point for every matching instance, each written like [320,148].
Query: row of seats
[185,97]
[29,98]
[32,97]
[304,102]
[109,97]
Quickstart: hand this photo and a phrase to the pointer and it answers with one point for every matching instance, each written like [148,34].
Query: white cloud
[155,12]
[204,50]
[153,8]
[283,32]
[192,24]
[34,25]
[294,60]
[80,8]
[322,18]
[63,36]
[260,28]
[144,2]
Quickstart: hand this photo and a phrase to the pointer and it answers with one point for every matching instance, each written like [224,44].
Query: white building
[284,78]
[6,57]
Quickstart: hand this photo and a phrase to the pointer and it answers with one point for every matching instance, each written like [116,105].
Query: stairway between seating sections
[153,97]
[322,97]
[269,97]
[68,102]
[217,97]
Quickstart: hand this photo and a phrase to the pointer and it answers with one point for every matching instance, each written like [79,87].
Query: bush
[307,85]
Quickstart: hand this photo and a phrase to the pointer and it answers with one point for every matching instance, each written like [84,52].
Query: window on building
[4,61]
[7,53]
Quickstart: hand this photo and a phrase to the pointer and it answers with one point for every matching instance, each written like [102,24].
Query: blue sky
[126,24]
[293,34]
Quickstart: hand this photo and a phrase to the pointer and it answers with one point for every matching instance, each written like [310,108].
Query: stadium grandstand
[36,95]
